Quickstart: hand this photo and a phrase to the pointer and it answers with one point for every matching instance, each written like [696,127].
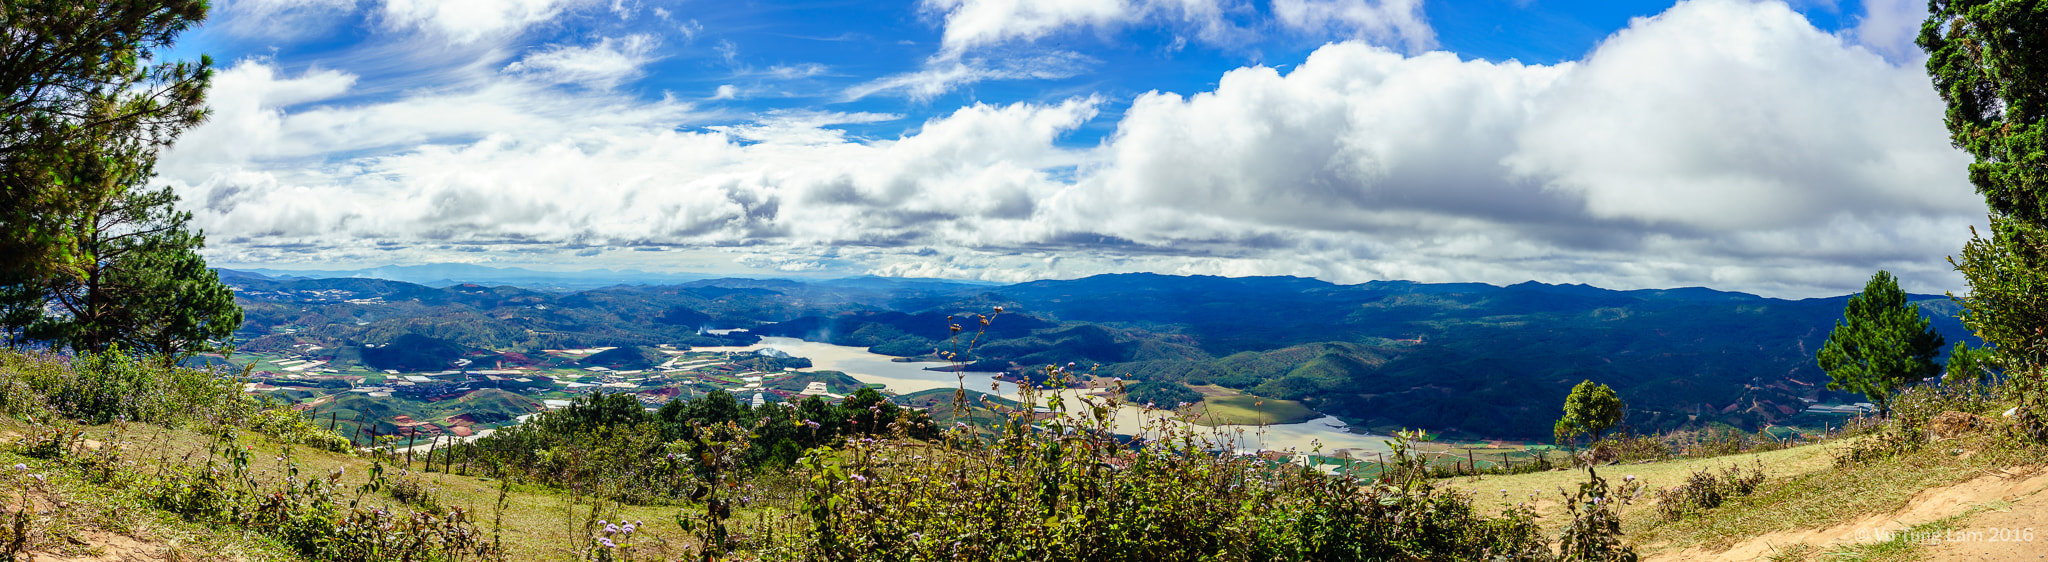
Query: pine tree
[1881,345]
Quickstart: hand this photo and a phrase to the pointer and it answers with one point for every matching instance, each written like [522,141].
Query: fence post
[411,433]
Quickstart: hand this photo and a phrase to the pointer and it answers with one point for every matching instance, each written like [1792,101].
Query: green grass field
[1245,409]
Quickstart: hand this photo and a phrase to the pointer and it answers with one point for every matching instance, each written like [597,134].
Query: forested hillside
[1466,358]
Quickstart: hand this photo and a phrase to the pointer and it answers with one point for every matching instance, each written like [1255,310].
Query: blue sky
[1786,149]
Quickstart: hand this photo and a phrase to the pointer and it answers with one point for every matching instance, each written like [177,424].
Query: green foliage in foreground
[1065,488]
[290,427]
[99,388]
[311,514]
[1987,61]
[2008,276]
[315,514]
[1882,344]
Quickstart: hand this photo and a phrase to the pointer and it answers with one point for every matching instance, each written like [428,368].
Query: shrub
[289,427]
[1067,489]
[1594,532]
[314,515]
[98,388]
[1705,490]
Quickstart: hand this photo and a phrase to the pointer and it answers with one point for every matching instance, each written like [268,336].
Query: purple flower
[607,543]
[860,478]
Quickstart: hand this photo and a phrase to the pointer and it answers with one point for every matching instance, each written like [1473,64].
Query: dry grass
[1541,488]
[1818,499]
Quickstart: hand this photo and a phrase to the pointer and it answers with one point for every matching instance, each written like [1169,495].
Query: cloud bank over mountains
[1722,143]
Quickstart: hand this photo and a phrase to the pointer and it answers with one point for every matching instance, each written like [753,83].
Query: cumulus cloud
[1378,21]
[1722,143]
[1890,26]
[601,66]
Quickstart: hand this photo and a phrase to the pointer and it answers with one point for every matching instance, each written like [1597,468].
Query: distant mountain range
[1468,358]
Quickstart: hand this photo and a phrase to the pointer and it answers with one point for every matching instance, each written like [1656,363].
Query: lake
[1327,432]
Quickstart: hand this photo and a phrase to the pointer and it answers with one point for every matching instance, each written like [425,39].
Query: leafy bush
[1906,430]
[290,427]
[98,388]
[1065,488]
[314,515]
[1705,490]
[1594,532]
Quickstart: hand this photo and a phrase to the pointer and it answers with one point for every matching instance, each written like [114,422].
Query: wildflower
[860,478]
[20,466]
[607,543]
[611,529]
[1629,478]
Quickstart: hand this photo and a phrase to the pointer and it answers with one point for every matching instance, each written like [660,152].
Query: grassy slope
[537,525]
[1805,491]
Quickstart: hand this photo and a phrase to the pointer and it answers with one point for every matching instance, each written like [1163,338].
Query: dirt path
[2014,532]
[2018,485]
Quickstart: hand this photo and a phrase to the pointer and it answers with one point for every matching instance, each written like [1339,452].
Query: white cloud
[465,21]
[1774,125]
[1890,26]
[795,71]
[726,92]
[601,66]
[970,24]
[1723,143]
[1382,22]
[943,76]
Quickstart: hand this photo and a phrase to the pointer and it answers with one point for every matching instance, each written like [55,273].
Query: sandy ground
[2011,532]
[101,546]
[2018,487]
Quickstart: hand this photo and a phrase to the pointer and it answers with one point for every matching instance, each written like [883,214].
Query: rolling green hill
[632,357]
